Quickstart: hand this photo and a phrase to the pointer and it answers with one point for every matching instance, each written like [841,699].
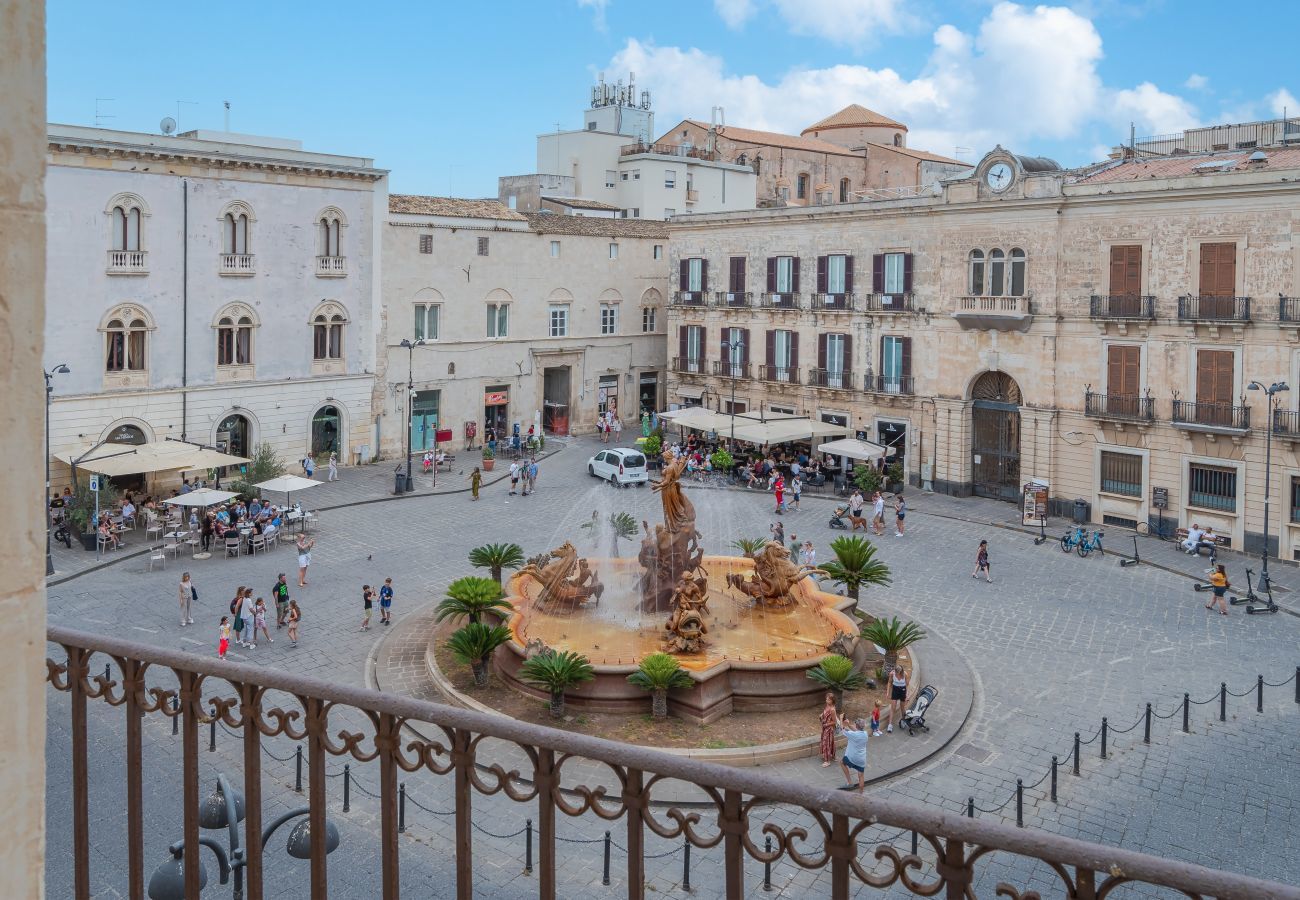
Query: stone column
[952,468]
[22,445]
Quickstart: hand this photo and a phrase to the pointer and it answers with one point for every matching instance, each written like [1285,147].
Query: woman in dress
[259,621]
[829,720]
[187,595]
[475,482]
[304,557]
[678,511]
[334,467]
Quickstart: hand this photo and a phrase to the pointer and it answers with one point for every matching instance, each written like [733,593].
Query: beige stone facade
[1135,303]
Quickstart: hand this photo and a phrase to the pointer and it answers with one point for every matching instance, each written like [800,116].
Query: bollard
[401,812]
[1259,694]
[1187,708]
[1103,737]
[107,672]
[1297,684]
[1053,781]
[297,765]
[970,807]
[1020,803]
[528,846]
[605,878]
[1076,753]
[686,865]
[347,787]
[212,734]
[767,864]
[1146,732]
[914,842]
[1223,702]
[176,719]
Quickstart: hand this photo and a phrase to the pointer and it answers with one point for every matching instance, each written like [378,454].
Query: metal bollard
[1054,764]
[347,787]
[970,807]
[297,765]
[1223,701]
[212,735]
[605,878]
[1020,803]
[528,846]
[1187,708]
[1297,684]
[767,864]
[108,672]
[176,719]
[686,865]
[1259,694]
[1146,732]
[914,842]
[1076,753]
[1103,737]
[401,809]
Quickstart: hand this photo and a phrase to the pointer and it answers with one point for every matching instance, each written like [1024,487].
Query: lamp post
[1270,393]
[60,369]
[409,484]
[735,353]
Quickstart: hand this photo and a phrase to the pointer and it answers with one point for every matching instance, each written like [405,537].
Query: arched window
[235,233]
[845,186]
[125,344]
[235,341]
[976,272]
[997,272]
[898,139]
[327,332]
[801,186]
[329,237]
[1017,272]
[126,228]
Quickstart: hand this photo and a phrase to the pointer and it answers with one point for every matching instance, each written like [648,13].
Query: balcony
[1286,424]
[834,302]
[680,150]
[1213,418]
[778,301]
[1288,309]
[237,264]
[994,313]
[684,365]
[830,379]
[331,266]
[780,374]
[1121,307]
[688,298]
[733,299]
[692,195]
[730,370]
[898,385]
[128,262]
[1119,407]
[890,303]
[1214,310]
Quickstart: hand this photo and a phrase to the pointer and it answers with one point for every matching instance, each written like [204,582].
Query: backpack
[234,606]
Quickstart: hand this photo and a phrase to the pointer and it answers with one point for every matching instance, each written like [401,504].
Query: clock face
[999,177]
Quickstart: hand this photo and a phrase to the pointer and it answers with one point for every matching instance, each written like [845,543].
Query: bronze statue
[566,580]
[672,549]
[679,513]
[686,626]
[775,576]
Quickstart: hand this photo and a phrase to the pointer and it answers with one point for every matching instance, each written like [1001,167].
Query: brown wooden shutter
[704,343]
[907,273]
[848,353]
[1214,376]
[724,338]
[848,274]
[821,350]
[1218,270]
[771,278]
[1126,271]
[794,351]
[744,337]
[771,347]
[1123,370]
[681,342]
[684,275]
[822,280]
[704,276]
[907,357]
[736,275]
[794,277]
[878,273]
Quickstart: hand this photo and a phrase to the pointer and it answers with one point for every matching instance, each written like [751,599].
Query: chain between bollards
[1104,728]
[1259,695]
[347,787]
[297,767]
[1146,732]
[528,846]
[767,864]
[1020,802]
[1054,764]
[401,809]
[1187,701]
[686,864]
[1076,753]
[605,878]
[1223,701]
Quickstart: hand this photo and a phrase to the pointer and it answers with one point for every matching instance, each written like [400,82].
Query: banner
[1034,510]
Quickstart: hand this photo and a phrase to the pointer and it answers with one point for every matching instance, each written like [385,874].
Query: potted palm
[557,672]
[497,557]
[659,673]
[489,458]
[749,546]
[855,564]
[836,674]
[892,636]
[470,597]
[474,644]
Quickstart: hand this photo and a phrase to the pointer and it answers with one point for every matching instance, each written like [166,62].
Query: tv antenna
[99,115]
[167,125]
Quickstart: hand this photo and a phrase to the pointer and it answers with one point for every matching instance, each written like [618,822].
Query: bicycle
[1072,539]
[1091,542]
[1081,542]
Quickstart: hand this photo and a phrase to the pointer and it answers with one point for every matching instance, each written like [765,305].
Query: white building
[527,318]
[213,287]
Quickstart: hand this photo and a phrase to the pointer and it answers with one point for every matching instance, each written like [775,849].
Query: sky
[448,96]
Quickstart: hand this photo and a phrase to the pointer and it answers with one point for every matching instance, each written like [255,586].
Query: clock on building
[998,177]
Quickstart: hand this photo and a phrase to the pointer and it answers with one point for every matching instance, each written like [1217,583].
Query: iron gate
[995,449]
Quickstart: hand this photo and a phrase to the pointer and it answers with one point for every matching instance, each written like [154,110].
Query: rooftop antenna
[226,104]
[99,115]
[167,125]
[178,110]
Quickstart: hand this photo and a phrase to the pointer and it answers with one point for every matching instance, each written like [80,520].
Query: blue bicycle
[1081,542]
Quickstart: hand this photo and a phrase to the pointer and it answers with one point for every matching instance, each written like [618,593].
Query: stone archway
[995,436]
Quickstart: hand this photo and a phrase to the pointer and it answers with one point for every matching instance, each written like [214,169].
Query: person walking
[386,602]
[236,615]
[778,532]
[304,557]
[830,718]
[779,490]
[205,533]
[900,513]
[295,615]
[334,468]
[982,562]
[223,637]
[1219,584]
[187,595]
[367,604]
[514,477]
[309,465]
[259,621]
[248,610]
[532,476]
[807,555]
[796,490]
[475,480]
[897,694]
[618,427]
[795,547]
[878,513]
[855,753]
[856,503]
[280,595]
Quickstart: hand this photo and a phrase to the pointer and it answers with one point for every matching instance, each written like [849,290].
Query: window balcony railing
[688,298]
[890,303]
[686,365]
[237,264]
[903,385]
[729,369]
[1196,414]
[834,302]
[335,266]
[734,299]
[1288,309]
[1286,423]
[779,301]
[1128,407]
[1007,306]
[782,374]
[994,313]
[1213,309]
[470,755]
[128,262]
[841,380]
[1122,306]
[682,150]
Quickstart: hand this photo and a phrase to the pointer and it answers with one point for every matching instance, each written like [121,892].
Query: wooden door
[1214,378]
[1125,281]
[1123,379]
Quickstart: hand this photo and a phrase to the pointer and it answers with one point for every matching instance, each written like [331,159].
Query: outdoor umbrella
[286,484]
[201,497]
[156,456]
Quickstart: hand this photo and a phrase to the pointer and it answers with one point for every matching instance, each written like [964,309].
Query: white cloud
[1283,102]
[734,12]
[838,21]
[598,8]
[1151,110]
[1196,82]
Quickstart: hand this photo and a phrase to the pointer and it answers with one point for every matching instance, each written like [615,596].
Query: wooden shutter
[821,350]
[848,274]
[771,347]
[822,280]
[1126,271]
[1218,270]
[794,275]
[848,353]
[744,336]
[704,276]
[907,273]
[704,342]
[794,351]
[1214,386]
[724,338]
[771,279]
[907,357]
[737,280]
[878,273]
[1123,370]
[681,342]
[684,275]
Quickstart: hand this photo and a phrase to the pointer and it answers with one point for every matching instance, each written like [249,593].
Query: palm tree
[835,673]
[474,644]
[621,526]
[659,673]
[497,557]
[749,546]
[892,636]
[855,564]
[470,597]
[557,672]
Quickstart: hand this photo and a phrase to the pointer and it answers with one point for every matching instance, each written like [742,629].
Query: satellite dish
[168,125]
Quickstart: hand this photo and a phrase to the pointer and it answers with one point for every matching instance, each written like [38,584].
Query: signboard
[496,398]
[1160,497]
[1034,510]
[442,435]
[94,483]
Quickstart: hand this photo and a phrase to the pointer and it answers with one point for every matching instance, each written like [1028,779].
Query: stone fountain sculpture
[686,626]
[566,580]
[672,549]
[774,578]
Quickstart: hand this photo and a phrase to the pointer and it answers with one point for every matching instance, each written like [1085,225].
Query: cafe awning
[780,431]
[853,449]
[201,497]
[690,393]
[696,417]
[156,456]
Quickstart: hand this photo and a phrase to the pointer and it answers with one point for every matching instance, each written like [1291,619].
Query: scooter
[1265,585]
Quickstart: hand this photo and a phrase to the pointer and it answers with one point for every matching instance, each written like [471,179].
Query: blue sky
[450,95]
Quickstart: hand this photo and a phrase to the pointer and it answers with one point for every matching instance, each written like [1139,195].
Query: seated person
[223,517]
[254,508]
[691,464]
[107,534]
[795,469]
[708,464]
[241,511]
[1193,543]
[128,510]
[442,457]
[1209,541]
[257,526]
[186,487]
[277,519]
[268,531]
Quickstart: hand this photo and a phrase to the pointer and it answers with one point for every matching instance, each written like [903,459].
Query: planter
[89,540]
[488,464]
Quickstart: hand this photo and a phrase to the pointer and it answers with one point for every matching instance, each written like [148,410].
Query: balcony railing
[994,313]
[1214,309]
[128,262]
[692,195]
[779,301]
[736,299]
[1286,422]
[1122,306]
[1288,309]
[688,298]
[667,150]
[331,265]
[688,366]
[783,374]
[1197,414]
[1130,407]
[729,369]
[903,385]
[548,772]
[841,380]
[834,302]
[890,303]
[1006,306]
[237,264]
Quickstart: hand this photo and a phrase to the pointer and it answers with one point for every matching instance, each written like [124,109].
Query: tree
[659,673]
[855,564]
[557,672]
[620,526]
[835,673]
[264,465]
[81,512]
[470,597]
[474,644]
[497,557]
[892,636]
[721,460]
[749,546]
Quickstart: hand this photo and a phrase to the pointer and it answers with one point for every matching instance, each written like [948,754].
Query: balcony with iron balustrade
[779,374]
[889,303]
[831,379]
[128,262]
[1233,311]
[785,300]
[895,385]
[1121,408]
[685,365]
[729,369]
[237,264]
[994,313]
[1286,424]
[689,298]
[732,299]
[1211,418]
[834,303]
[1122,307]
[331,266]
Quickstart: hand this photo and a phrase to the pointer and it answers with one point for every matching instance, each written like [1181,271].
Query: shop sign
[496,398]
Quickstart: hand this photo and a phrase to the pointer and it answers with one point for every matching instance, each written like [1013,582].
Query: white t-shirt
[514,470]
[879,506]
[1194,535]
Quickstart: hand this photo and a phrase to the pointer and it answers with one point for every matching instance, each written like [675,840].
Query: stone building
[213,287]
[527,318]
[1096,329]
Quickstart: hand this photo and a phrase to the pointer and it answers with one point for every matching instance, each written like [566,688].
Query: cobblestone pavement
[1057,642]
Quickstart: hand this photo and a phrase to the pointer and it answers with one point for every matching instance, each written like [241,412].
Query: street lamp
[409,484]
[60,369]
[1271,393]
[735,352]
[224,808]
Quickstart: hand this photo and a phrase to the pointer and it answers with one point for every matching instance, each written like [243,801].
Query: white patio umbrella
[286,484]
[853,448]
[201,497]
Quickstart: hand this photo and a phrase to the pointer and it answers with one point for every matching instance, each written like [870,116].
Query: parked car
[621,466]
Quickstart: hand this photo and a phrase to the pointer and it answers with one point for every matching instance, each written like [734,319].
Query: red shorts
[223,646]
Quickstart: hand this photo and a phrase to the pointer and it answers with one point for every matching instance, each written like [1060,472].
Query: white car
[619,466]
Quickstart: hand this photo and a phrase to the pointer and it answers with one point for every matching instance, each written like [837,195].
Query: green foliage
[867,479]
[855,564]
[557,671]
[81,514]
[475,642]
[836,673]
[660,672]
[749,546]
[895,473]
[722,460]
[623,525]
[497,557]
[893,635]
[488,452]
[264,465]
[654,444]
[470,597]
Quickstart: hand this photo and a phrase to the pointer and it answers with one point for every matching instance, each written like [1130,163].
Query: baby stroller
[837,520]
[914,718]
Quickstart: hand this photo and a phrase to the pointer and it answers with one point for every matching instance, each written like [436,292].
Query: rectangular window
[613,251]
[611,178]
[555,249]
[1218,270]
[835,267]
[426,321]
[1214,383]
[609,318]
[1123,370]
[895,363]
[782,350]
[694,274]
[498,320]
[669,212]
[1212,487]
[482,246]
[736,275]
[624,176]
[784,274]
[670,178]
[648,319]
[636,174]
[835,361]
[512,202]
[735,352]
[1121,473]
[559,321]
[894,273]
[426,243]
[659,251]
[694,342]
[1295,500]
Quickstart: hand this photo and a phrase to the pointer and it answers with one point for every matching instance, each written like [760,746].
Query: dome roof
[854,116]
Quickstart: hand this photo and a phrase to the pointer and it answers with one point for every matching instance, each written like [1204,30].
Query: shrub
[557,672]
[659,673]
[497,557]
[722,460]
[264,465]
[474,644]
[891,635]
[81,514]
[836,674]
[470,597]
[867,479]
[855,564]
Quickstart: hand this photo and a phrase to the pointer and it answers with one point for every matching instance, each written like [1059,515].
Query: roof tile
[451,206]
[854,116]
[595,226]
[1183,165]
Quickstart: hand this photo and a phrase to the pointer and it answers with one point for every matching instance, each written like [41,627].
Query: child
[386,602]
[367,601]
[875,720]
[259,621]
[982,562]
[223,642]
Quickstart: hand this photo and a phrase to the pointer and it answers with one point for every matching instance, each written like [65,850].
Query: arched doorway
[995,436]
[126,433]
[325,431]
[235,435]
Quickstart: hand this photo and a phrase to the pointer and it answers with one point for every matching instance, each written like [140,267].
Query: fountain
[746,628]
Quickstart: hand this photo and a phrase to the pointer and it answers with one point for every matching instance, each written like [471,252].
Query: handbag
[194,593]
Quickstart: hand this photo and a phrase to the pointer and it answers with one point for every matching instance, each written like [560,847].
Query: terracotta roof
[854,116]
[1193,164]
[595,226]
[919,154]
[580,203]
[451,206]
[775,139]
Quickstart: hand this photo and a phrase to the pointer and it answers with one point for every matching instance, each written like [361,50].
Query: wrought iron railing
[890,303]
[786,374]
[830,378]
[1122,306]
[1119,406]
[890,384]
[779,301]
[1214,309]
[834,302]
[682,150]
[1215,415]
[688,298]
[688,365]
[730,369]
[1288,308]
[1286,422]
[735,299]
[482,754]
